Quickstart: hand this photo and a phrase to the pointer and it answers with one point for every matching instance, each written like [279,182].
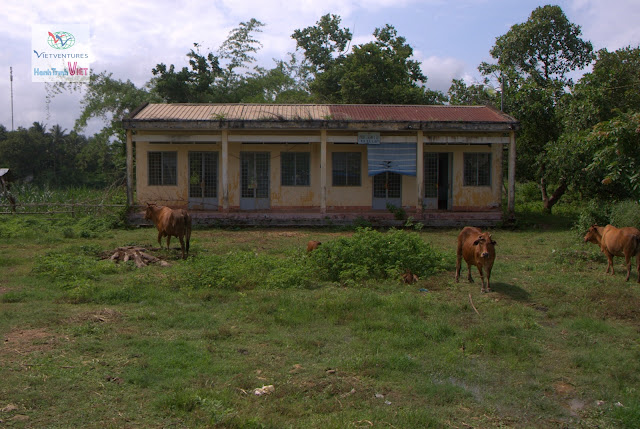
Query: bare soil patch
[27,341]
[105,315]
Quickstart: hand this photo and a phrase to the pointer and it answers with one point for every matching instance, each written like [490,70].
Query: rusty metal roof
[233,112]
[318,112]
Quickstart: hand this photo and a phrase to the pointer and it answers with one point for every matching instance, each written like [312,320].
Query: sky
[450,38]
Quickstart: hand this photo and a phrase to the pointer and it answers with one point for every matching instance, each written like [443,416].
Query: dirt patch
[287,234]
[106,315]
[27,341]
[563,389]
[3,290]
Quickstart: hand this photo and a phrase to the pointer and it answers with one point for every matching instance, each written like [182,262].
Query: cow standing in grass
[176,222]
[616,242]
[477,248]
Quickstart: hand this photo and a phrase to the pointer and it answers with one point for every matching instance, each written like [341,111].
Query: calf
[312,245]
[477,248]
[616,242]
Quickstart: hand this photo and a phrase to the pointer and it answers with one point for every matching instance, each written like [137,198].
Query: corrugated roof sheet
[318,112]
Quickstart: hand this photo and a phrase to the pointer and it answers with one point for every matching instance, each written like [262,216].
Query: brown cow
[477,248]
[312,245]
[617,242]
[176,222]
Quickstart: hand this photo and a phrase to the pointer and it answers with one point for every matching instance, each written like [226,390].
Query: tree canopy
[381,71]
[533,60]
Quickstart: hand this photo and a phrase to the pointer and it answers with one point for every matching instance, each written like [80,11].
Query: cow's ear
[493,242]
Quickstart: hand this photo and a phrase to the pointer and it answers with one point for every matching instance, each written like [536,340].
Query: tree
[545,48]
[473,95]
[533,62]
[377,72]
[26,151]
[187,85]
[612,87]
[600,117]
[325,43]
[213,77]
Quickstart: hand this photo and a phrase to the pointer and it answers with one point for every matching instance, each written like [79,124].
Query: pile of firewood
[134,253]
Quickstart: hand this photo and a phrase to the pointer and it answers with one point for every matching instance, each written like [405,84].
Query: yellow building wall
[463,197]
[466,198]
[349,196]
[281,196]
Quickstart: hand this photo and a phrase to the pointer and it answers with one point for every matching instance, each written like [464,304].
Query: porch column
[129,168]
[420,170]
[225,170]
[511,198]
[323,171]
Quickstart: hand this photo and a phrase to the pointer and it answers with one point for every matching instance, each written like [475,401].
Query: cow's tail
[636,242]
[187,227]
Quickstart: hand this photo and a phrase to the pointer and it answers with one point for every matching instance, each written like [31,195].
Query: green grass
[90,343]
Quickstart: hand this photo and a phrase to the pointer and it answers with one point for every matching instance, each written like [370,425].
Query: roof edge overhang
[213,125]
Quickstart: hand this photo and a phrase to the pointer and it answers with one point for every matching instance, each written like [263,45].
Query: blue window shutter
[395,157]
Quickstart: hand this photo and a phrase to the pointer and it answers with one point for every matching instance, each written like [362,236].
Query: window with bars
[294,168]
[346,168]
[477,169]
[163,168]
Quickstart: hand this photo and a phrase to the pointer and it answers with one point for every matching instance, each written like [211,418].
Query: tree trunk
[549,202]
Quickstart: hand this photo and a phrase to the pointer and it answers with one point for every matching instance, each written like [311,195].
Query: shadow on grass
[512,291]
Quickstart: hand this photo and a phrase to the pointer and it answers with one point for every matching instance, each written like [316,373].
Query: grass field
[90,343]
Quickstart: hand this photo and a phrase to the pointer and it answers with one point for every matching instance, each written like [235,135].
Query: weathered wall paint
[463,197]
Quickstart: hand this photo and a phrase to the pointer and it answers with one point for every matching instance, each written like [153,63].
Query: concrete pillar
[129,168]
[323,171]
[225,170]
[511,204]
[420,170]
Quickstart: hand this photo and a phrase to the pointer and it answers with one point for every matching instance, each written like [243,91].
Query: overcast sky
[128,38]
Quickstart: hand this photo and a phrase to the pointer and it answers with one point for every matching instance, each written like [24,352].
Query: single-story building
[439,164]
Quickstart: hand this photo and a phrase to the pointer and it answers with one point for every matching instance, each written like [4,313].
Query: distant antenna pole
[501,92]
[11,79]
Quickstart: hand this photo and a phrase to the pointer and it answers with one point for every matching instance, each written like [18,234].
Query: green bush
[371,254]
[626,213]
[620,214]
[595,212]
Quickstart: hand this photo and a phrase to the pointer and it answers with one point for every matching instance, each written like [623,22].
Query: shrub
[620,214]
[626,213]
[595,212]
[371,254]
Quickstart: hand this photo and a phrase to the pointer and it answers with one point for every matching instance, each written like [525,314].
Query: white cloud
[440,71]
[611,24]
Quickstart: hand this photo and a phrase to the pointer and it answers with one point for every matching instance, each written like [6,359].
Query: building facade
[225,160]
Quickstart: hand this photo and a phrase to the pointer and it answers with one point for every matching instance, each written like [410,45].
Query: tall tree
[533,61]
[600,117]
[325,43]
[546,48]
[381,71]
